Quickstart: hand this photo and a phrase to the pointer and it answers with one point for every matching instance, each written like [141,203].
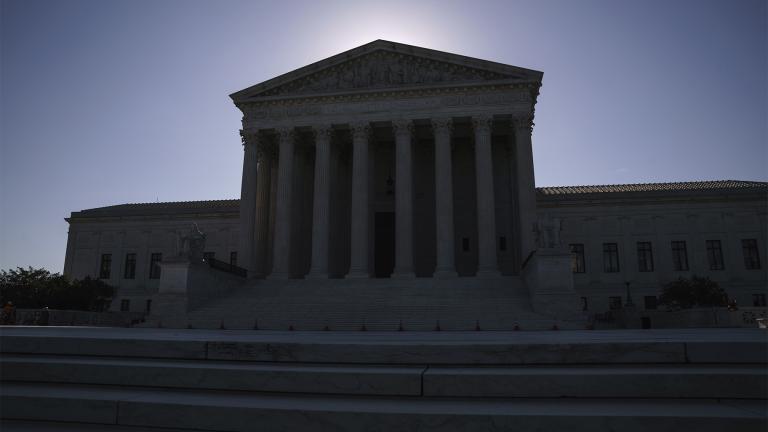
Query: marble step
[599,381]
[238,411]
[262,322]
[47,426]
[215,375]
[653,381]
[721,346]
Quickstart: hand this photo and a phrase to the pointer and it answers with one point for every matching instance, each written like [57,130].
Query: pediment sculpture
[384,69]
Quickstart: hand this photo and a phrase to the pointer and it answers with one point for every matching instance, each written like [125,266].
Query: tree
[694,292]
[37,288]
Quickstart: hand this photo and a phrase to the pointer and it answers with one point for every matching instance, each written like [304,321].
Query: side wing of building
[651,234]
[120,244]
[644,234]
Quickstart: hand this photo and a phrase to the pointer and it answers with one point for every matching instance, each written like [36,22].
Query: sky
[109,102]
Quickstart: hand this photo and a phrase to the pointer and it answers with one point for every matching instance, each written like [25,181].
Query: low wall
[205,283]
[745,317]
[78,318]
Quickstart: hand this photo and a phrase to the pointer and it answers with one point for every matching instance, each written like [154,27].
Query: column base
[445,274]
[256,275]
[317,275]
[357,275]
[278,276]
[487,273]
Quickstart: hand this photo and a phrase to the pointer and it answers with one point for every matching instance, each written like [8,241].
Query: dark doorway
[384,243]
[645,322]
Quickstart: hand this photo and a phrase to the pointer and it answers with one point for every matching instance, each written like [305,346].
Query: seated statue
[192,245]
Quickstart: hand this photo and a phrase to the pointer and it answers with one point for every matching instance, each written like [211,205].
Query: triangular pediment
[383,65]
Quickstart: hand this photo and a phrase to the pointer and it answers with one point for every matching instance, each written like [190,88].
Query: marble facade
[388,160]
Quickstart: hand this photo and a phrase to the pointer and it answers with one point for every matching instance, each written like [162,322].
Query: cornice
[392,93]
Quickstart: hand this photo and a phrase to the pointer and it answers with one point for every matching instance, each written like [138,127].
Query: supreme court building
[395,184]
[388,160]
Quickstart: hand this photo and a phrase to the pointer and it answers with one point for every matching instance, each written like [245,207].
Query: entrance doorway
[384,244]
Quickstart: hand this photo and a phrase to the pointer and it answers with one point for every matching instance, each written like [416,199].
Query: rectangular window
[154,265]
[465,244]
[130,266]
[578,264]
[715,255]
[209,255]
[679,256]
[644,257]
[758,300]
[105,268]
[584,304]
[502,243]
[149,305]
[751,255]
[614,302]
[125,305]
[651,302]
[233,258]
[610,257]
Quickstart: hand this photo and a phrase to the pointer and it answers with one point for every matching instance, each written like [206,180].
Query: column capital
[523,122]
[402,126]
[360,130]
[285,134]
[482,123]
[322,131]
[442,125]
[249,137]
[266,150]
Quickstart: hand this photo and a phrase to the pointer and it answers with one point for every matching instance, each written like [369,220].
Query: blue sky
[108,102]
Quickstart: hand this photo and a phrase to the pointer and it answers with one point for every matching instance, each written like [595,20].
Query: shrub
[694,292]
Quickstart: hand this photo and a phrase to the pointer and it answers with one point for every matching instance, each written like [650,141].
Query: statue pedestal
[550,284]
[172,300]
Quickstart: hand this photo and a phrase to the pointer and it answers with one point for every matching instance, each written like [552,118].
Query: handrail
[530,255]
[226,267]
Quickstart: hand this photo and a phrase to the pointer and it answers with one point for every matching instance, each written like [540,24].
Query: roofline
[233,205]
[244,95]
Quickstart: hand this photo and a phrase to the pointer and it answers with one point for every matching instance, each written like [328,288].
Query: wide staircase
[83,379]
[375,304]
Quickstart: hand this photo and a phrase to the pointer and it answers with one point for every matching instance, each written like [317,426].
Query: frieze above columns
[264,115]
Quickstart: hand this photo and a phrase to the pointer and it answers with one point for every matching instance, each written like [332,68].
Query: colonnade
[256,187]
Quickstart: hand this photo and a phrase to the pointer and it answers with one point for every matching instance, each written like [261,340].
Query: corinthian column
[281,266]
[248,200]
[403,199]
[526,187]
[263,192]
[358,266]
[444,198]
[486,208]
[321,202]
